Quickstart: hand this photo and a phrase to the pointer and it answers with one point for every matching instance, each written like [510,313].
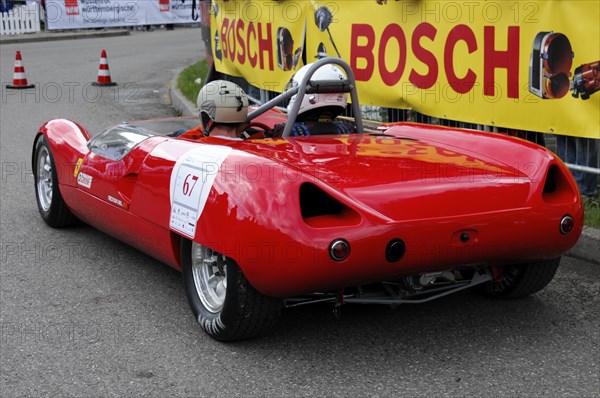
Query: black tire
[244,313]
[523,279]
[51,205]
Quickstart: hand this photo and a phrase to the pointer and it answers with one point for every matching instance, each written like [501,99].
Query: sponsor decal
[85,180]
[116,201]
[77,166]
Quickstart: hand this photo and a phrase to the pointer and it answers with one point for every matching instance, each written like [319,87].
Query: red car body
[420,211]
[423,184]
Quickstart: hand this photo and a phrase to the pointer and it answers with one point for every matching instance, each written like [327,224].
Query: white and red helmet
[335,102]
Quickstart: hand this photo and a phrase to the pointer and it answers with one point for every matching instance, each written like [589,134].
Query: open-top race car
[401,213]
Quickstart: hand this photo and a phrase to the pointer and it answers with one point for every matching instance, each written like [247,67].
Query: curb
[39,37]
[586,248]
[178,101]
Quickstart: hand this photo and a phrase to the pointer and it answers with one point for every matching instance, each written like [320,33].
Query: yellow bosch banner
[527,65]
[262,41]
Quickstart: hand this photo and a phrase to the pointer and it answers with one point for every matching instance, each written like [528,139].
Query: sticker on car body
[114,200]
[77,166]
[85,180]
[191,180]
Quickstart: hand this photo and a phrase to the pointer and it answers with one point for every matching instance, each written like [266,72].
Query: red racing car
[404,213]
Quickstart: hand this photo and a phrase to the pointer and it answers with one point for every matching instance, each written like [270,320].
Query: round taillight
[395,250]
[339,250]
[566,224]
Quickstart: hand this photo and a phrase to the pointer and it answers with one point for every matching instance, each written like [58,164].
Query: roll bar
[307,86]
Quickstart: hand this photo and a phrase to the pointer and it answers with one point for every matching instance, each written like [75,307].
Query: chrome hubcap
[44,179]
[210,277]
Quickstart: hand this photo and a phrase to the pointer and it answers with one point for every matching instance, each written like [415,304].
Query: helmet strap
[206,121]
[209,125]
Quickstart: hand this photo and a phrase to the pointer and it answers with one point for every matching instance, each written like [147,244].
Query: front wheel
[223,301]
[51,205]
[522,280]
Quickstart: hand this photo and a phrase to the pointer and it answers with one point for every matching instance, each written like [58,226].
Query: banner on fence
[527,65]
[78,14]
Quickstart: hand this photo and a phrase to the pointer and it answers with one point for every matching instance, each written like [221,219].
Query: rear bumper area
[506,237]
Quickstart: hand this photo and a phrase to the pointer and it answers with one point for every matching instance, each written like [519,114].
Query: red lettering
[230,40]
[459,33]
[493,59]
[362,52]
[392,77]
[362,57]
[224,27]
[265,44]
[425,56]
[250,37]
[241,55]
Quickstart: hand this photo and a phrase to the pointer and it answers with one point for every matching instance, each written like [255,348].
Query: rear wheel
[51,205]
[223,301]
[523,279]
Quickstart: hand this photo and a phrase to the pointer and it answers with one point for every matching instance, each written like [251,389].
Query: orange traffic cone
[19,78]
[103,72]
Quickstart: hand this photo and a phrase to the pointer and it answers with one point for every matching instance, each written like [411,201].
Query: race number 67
[189,183]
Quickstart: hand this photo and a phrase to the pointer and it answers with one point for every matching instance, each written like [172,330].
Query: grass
[592,214]
[187,79]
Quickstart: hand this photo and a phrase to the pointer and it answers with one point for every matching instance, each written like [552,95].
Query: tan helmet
[221,101]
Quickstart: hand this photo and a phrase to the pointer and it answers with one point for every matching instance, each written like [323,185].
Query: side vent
[557,188]
[321,210]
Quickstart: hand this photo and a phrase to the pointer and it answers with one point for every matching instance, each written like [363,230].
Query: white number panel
[191,180]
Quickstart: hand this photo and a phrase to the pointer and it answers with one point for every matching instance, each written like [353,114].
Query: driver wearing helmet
[223,110]
[318,112]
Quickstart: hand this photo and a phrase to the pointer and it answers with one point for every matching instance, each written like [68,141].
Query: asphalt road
[84,315]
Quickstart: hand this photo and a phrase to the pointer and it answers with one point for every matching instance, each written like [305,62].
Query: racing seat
[301,129]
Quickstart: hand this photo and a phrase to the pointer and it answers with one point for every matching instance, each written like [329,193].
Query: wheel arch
[243,314]
[68,143]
